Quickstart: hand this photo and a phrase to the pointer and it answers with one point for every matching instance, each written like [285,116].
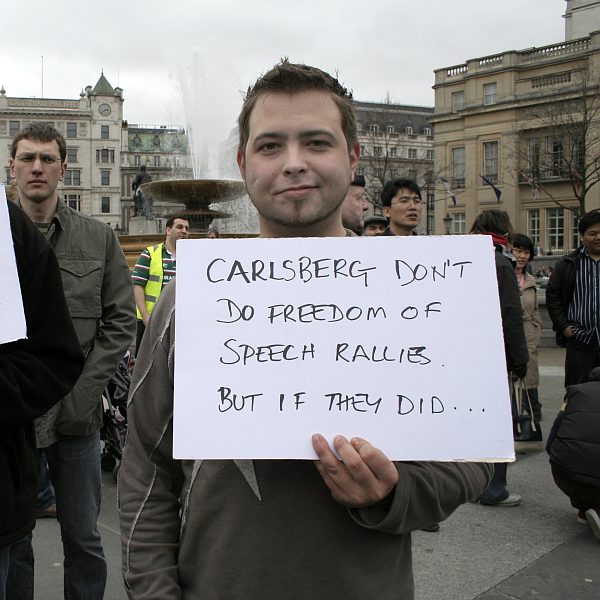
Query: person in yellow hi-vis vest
[154,268]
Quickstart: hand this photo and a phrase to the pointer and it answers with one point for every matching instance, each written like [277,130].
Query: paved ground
[534,551]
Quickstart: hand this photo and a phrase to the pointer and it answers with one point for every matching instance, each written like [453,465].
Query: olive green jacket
[97,285]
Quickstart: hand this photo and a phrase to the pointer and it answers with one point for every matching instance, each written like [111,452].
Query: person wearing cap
[572,302]
[355,205]
[402,205]
[374,225]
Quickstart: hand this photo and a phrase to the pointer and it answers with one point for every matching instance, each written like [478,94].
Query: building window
[489,93]
[71,130]
[458,167]
[393,173]
[555,228]
[105,204]
[412,174]
[13,128]
[374,128]
[73,201]
[377,151]
[533,225]
[137,160]
[378,172]
[556,161]
[427,131]
[393,152]
[157,161]
[459,223]
[105,155]
[104,177]
[412,153]
[358,126]
[390,129]
[104,132]
[71,155]
[458,101]
[72,177]
[490,161]
[429,154]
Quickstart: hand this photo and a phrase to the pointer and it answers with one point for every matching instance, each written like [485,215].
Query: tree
[559,141]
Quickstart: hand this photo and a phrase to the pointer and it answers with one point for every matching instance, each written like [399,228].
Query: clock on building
[104,109]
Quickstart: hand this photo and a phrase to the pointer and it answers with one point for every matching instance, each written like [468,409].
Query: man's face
[354,207]
[296,166]
[591,240]
[404,213]
[373,229]
[35,175]
[179,231]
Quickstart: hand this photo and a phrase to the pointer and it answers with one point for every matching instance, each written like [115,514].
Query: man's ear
[241,161]
[386,211]
[11,166]
[63,170]
[354,158]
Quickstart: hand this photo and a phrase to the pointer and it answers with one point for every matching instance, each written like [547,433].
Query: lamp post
[447,223]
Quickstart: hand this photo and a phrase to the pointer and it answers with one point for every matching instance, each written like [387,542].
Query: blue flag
[497,191]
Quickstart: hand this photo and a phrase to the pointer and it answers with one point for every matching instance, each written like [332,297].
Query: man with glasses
[100,300]
[402,205]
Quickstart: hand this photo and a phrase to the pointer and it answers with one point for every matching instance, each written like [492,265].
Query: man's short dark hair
[391,188]
[40,132]
[294,78]
[523,242]
[171,220]
[492,221]
[590,218]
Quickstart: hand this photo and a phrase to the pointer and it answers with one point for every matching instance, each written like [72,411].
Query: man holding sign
[271,529]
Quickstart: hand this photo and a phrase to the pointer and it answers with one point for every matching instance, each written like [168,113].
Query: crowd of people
[338,527]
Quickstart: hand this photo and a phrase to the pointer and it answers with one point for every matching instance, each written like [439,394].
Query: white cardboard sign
[12,317]
[396,340]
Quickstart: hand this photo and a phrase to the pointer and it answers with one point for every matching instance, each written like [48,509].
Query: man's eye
[318,143]
[269,147]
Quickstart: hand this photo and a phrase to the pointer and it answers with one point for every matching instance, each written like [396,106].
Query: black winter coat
[559,293]
[515,344]
[35,373]
[574,447]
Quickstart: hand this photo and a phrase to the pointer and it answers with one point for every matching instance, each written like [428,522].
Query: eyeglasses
[45,159]
[407,199]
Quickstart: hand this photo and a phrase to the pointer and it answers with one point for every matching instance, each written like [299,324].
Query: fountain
[196,195]
[210,103]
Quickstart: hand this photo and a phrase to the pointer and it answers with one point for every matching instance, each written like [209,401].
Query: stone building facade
[102,150]
[395,141]
[517,118]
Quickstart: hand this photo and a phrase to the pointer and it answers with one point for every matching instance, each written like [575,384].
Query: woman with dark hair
[522,250]
[496,223]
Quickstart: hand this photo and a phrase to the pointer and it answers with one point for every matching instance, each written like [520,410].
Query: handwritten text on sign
[396,340]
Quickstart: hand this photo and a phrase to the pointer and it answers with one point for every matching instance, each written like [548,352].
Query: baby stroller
[114,417]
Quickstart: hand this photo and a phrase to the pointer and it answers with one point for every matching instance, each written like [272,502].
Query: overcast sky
[175,59]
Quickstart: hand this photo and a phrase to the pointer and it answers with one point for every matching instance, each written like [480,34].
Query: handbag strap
[523,388]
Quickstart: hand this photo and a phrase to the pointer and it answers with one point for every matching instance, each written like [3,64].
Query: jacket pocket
[82,282]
